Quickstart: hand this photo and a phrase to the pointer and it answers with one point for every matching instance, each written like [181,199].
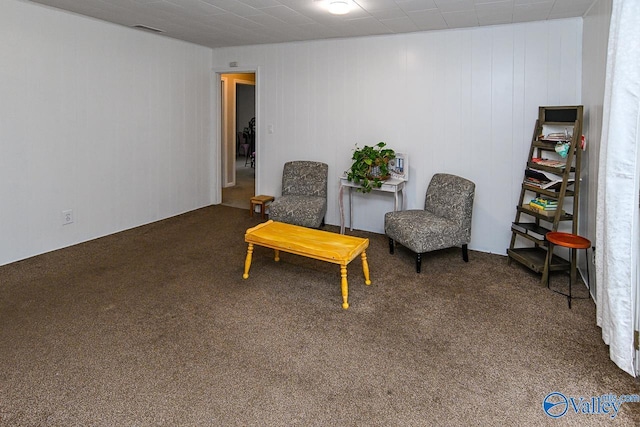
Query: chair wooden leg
[390,245]
[465,253]
[418,262]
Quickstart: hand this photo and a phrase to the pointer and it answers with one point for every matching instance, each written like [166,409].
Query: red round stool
[573,242]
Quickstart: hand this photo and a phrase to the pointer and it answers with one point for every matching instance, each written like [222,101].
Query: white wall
[594,63]
[458,101]
[116,124]
[111,122]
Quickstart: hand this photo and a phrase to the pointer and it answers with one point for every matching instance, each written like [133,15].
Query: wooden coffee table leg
[345,287]
[365,268]
[276,255]
[247,261]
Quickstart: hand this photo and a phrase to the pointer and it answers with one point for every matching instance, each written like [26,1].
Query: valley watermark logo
[557,405]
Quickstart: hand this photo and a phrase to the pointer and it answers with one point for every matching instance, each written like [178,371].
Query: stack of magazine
[558,164]
[544,180]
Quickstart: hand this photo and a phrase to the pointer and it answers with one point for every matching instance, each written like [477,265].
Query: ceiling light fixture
[147,28]
[339,7]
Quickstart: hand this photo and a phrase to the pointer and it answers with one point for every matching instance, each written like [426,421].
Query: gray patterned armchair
[304,194]
[445,221]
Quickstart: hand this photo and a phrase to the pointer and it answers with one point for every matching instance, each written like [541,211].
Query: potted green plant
[370,166]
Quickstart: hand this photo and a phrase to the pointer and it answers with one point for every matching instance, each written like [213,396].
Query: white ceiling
[220,23]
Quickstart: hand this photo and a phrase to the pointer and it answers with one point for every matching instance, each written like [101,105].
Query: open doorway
[238,138]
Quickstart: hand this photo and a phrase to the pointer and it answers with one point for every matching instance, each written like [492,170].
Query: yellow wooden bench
[317,244]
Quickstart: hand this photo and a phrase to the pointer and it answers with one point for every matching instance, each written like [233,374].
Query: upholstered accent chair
[445,221]
[304,194]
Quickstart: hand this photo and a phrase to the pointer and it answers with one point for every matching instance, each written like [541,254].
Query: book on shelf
[544,204]
[544,180]
[547,213]
[536,207]
[558,164]
[530,228]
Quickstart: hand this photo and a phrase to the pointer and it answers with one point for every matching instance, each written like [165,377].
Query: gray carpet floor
[156,327]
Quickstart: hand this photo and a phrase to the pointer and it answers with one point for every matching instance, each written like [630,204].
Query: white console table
[391,185]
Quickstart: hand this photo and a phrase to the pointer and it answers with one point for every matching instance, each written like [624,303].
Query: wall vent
[146,28]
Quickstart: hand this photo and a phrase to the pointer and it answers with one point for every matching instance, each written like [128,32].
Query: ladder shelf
[552,179]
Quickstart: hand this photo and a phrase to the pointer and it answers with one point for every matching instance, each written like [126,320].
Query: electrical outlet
[67,217]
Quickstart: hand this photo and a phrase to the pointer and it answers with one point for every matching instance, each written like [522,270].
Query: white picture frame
[399,166]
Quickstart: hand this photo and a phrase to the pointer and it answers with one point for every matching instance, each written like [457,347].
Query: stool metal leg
[571,279]
[586,257]
[574,254]
[572,274]
[573,243]
[547,267]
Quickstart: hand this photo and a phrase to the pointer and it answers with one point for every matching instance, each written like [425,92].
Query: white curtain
[617,236]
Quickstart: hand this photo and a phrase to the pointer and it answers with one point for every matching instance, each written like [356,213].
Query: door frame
[216,159]
[234,110]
